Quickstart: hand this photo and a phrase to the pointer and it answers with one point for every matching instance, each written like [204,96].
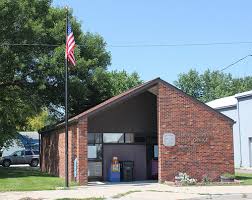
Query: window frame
[121,137]
[148,140]
[129,137]
[99,156]
[94,138]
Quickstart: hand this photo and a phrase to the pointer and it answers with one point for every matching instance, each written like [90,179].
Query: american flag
[70,44]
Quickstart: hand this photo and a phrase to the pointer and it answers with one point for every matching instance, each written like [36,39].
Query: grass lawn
[27,178]
[246,178]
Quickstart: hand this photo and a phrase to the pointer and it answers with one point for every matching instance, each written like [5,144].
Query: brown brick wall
[204,143]
[53,152]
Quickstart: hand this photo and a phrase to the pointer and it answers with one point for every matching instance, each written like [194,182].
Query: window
[18,153]
[94,169]
[36,152]
[94,138]
[139,139]
[28,153]
[34,147]
[129,138]
[155,150]
[95,152]
[113,138]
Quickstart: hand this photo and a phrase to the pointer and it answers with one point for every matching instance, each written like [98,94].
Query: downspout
[239,129]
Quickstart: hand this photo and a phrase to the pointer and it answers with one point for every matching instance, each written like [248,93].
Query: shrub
[206,179]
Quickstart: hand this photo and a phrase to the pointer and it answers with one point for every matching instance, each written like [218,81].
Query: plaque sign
[169,139]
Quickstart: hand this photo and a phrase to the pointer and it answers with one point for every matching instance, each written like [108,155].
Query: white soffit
[224,102]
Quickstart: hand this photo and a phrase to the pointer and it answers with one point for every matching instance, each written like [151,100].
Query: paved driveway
[138,191]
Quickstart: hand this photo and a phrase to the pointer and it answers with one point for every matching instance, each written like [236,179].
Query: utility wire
[148,45]
[232,64]
[30,44]
[137,45]
[182,45]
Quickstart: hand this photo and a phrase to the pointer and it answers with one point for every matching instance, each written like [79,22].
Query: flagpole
[66,111]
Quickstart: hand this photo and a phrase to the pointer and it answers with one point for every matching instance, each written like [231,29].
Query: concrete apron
[137,190]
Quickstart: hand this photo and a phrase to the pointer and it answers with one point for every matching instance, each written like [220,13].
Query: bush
[206,179]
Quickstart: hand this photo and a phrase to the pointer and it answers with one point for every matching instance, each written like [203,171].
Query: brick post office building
[155,125]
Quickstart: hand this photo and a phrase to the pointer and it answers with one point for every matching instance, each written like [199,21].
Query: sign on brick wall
[169,139]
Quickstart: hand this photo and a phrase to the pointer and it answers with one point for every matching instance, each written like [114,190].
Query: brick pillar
[160,117]
[82,174]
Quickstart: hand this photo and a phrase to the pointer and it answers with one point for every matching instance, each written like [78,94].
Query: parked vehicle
[28,140]
[30,157]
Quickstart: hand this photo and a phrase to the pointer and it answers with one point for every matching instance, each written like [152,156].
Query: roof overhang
[243,94]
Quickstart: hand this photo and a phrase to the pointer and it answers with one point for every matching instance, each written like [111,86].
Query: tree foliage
[37,122]
[32,76]
[121,81]
[212,85]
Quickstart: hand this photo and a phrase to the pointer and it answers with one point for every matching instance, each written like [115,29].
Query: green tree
[190,83]
[212,85]
[37,122]
[32,76]
[122,81]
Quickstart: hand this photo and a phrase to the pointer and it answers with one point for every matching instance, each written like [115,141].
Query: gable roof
[131,93]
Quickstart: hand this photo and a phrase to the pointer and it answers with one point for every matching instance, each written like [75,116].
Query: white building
[239,108]
[25,140]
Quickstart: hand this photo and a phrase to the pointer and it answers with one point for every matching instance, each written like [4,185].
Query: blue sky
[170,22]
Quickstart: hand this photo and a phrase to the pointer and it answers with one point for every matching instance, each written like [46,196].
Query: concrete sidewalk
[136,191]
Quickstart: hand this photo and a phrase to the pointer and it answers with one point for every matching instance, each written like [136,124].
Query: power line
[137,45]
[147,45]
[224,68]
[182,45]
[30,44]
